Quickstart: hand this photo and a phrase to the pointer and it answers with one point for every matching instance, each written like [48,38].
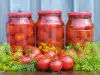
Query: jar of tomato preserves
[20,29]
[50,28]
[79,28]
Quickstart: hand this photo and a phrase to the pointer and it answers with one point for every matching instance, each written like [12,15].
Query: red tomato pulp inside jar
[50,28]
[20,29]
[79,28]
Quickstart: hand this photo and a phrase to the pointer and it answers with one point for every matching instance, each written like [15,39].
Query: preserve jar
[50,28]
[79,28]
[20,29]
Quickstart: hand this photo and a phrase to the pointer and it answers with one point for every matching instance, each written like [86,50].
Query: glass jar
[20,29]
[79,28]
[50,28]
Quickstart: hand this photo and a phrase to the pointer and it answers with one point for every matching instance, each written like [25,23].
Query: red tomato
[39,56]
[72,52]
[55,65]
[42,35]
[60,33]
[62,54]
[52,42]
[43,64]
[10,40]
[38,43]
[20,28]
[36,50]
[70,34]
[25,60]
[10,30]
[60,43]
[29,31]
[31,55]
[30,40]
[50,54]
[67,62]
[19,37]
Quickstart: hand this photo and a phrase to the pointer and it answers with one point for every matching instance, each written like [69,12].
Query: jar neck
[49,15]
[79,17]
[20,17]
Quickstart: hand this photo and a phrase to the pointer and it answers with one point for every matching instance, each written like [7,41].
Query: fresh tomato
[62,54]
[33,51]
[55,65]
[31,40]
[19,37]
[50,54]
[39,56]
[72,52]
[10,30]
[32,56]
[25,60]
[36,50]
[42,35]
[10,40]
[43,64]
[67,62]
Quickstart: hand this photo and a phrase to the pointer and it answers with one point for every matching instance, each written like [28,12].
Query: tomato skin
[43,64]
[25,60]
[39,56]
[55,65]
[60,33]
[31,55]
[42,35]
[19,37]
[67,62]
[52,42]
[19,28]
[62,54]
[10,30]
[30,31]
[10,40]
[31,40]
[50,54]
[35,50]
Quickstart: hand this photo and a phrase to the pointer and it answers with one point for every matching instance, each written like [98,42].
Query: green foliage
[7,62]
[90,57]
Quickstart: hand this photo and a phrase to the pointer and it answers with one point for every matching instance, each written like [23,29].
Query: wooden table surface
[51,73]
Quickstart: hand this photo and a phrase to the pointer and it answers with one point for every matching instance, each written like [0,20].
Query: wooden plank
[4,8]
[16,5]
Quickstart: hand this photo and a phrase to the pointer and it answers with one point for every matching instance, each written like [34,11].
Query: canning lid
[19,14]
[79,14]
[49,12]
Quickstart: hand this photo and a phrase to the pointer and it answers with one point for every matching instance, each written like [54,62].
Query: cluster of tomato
[51,34]
[48,60]
[79,34]
[22,35]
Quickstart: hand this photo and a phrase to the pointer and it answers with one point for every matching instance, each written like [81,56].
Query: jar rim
[49,12]
[79,14]
[19,14]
